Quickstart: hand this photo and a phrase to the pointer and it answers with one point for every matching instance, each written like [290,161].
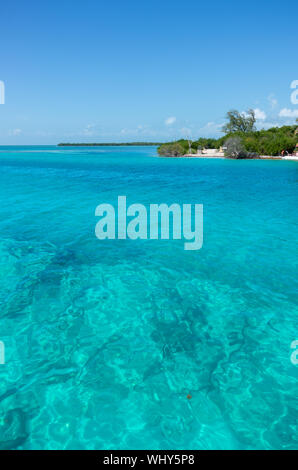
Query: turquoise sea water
[104,340]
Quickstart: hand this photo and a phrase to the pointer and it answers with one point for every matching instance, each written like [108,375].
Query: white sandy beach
[221,155]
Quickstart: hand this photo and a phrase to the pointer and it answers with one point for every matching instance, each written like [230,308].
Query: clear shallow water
[105,339]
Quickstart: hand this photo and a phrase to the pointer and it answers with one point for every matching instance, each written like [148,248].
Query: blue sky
[130,70]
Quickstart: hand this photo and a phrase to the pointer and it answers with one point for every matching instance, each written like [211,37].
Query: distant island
[108,144]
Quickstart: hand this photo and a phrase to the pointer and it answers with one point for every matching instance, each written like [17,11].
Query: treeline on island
[108,144]
[241,139]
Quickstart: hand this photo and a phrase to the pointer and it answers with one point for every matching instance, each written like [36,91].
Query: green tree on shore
[240,122]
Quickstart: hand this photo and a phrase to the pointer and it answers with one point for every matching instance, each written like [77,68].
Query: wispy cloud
[272,101]
[260,115]
[185,132]
[134,131]
[170,120]
[140,132]
[89,130]
[14,132]
[288,113]
[210,129]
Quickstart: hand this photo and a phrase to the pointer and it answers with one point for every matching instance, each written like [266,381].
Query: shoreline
[261,157]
